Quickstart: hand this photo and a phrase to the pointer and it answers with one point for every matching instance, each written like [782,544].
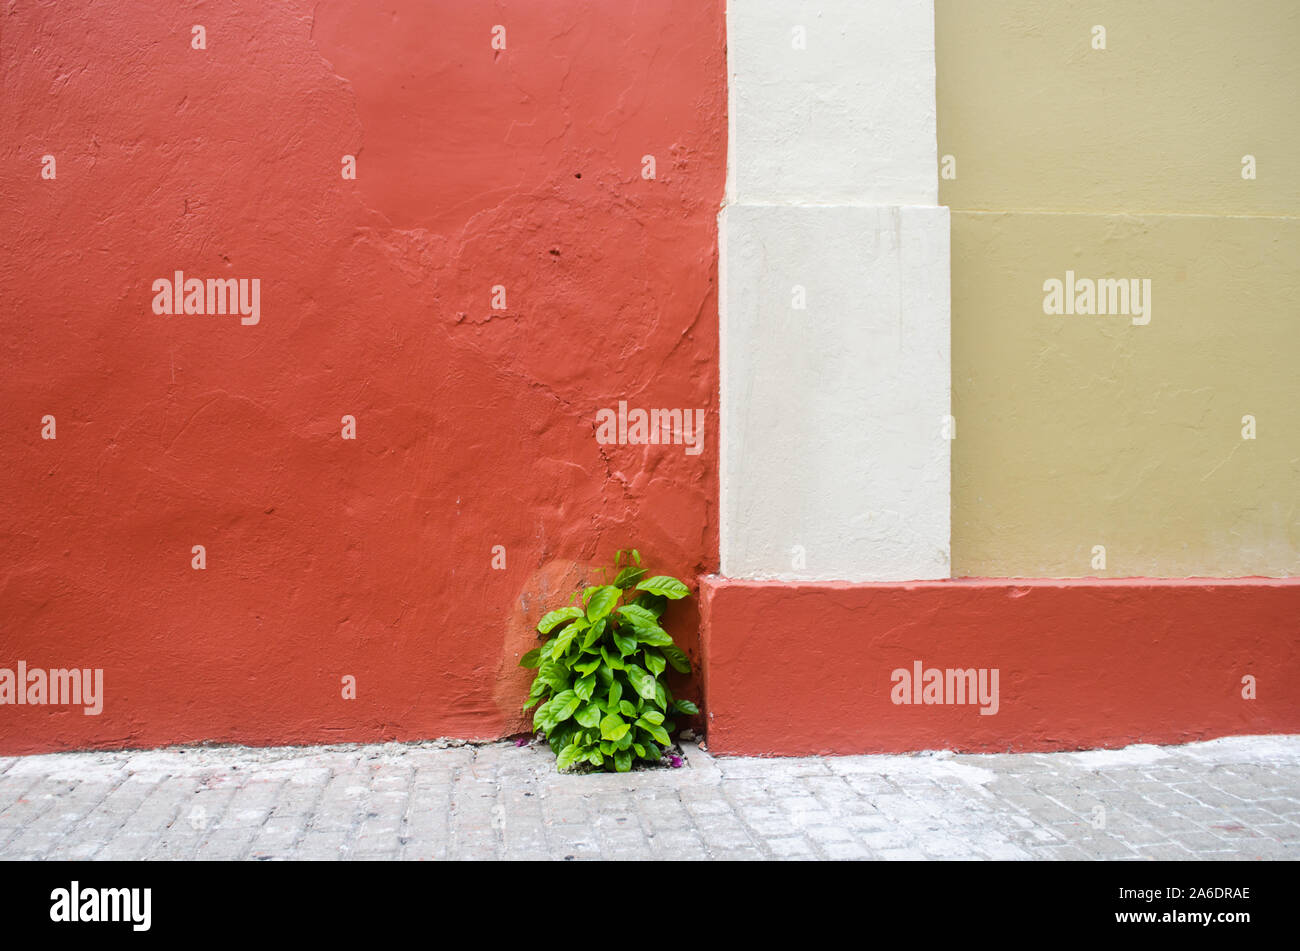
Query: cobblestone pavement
[1236,798]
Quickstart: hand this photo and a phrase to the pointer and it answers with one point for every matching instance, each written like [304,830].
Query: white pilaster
[833,296]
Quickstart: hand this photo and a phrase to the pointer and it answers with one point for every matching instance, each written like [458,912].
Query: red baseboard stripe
[795,668]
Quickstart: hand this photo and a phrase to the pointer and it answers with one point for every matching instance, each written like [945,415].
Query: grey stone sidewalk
[1236,798]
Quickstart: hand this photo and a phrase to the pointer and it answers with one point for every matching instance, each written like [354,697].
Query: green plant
[600,675]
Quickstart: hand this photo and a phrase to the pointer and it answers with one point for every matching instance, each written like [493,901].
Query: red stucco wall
[325,557]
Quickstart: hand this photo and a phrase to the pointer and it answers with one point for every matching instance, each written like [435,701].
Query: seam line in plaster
[1125,213]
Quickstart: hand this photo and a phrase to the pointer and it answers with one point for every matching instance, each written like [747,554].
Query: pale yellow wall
[1076,431]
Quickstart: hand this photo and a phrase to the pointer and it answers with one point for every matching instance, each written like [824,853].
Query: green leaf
[654,603]
[561,736]
[625,643]
[641,682]
[532,659]
[585,687]
[652,752]
[563,704]
[587,667]
[607,747]
[637,614]
[628,576]
[554,674]
[615,693]
[624,742]
[661,695]
[685,706]
[530,702]
[559,616]
[654,729]
[610,659]
[569,755]
[594,633]
[654,636]
[626,708]
[652,716]
[588,715]
[565,639]
[613,727]
[677,657]
[639,750]
[623,761]
[541,719]
[670,588]
[602,602]
[636,556]
[654,661]
[595,759]
[645,624]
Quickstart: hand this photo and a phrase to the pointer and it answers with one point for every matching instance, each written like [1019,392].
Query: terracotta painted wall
[1110,139]
[325,557]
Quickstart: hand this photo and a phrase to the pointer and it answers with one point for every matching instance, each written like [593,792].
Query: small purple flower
[522,741]
[676,761]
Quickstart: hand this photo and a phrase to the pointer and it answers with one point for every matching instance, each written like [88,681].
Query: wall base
[797,669]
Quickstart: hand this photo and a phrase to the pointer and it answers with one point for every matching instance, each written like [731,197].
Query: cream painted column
[833,297]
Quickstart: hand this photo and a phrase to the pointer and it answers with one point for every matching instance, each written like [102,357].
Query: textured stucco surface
[835,461]
[832,101]
[1079,432]
[520,167]
[1158,121]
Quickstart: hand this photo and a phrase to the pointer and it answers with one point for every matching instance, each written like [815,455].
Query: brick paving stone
[901,855]
[846,851]
[679,846]
[1235,798]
